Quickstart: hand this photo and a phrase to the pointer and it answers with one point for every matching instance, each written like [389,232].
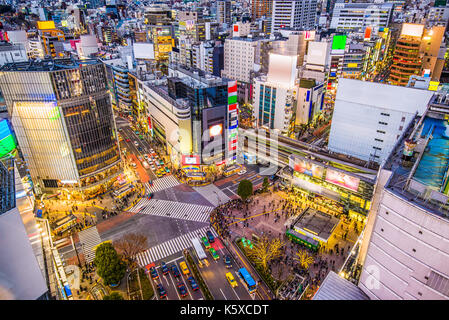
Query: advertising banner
[342,179]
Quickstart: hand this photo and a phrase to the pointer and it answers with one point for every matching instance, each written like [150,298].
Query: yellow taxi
[231,279]
[184,268]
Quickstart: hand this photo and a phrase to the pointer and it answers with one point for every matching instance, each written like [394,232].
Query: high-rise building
[358,16]
[368,117]
[294,14]
[224,11]
[404,252]
[62,116]
[261,8]
[275,95]
[406,56]
[22,273]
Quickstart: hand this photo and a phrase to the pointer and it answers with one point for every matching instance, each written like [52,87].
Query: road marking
[223,294]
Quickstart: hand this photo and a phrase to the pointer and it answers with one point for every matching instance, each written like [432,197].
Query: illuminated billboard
[412,30]
[215,130]
[282,69]
[343,180]
[7,142]
[307,167]
[46,25]
[339,42]
[190,160]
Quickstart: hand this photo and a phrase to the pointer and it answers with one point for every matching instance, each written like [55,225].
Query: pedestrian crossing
[170,247]
[89,239]
[162,184]
[212,194]
[172,209]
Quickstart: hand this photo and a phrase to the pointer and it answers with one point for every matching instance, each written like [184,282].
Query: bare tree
[265,250]
[130,245]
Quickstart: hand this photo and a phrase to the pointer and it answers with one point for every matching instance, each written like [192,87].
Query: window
[385,114]
[384,123]
[400,128]
[439,283]
[403,119]
[414,250]
[380,131]
[378,140]
[377,148]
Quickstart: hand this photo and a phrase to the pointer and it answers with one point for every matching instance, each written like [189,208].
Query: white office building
[294,14]
[405,248]
[370,117]
[358,16]
[239,58]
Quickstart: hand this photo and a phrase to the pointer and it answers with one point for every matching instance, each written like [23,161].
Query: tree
[265,184]
[130,245]
[304,259]
[114,296]
[265,250]
[245,189]
[109,265]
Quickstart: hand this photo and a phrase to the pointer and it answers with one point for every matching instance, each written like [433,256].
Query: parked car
[182,289]
[161,291]
[175,271]
[164,268]
[210,236]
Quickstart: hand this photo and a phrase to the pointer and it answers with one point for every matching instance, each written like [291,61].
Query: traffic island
[266,277]
[199,278]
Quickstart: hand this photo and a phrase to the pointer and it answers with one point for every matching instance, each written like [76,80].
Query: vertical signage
[232,121]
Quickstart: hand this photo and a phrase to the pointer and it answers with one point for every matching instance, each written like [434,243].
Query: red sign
[232,107]
[236,28]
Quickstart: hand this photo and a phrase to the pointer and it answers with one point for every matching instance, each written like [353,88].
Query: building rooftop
[316,223]
[47,65]
[7,181]
[423,177]
[335,287]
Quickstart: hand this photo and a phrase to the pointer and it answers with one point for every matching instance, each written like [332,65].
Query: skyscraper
[293,14]
[61,113]
[261,8]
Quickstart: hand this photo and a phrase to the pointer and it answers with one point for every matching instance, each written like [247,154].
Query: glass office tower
[62,115]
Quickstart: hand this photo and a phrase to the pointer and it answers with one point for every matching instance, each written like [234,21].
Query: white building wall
[407,243]
[239,58]
[370,115]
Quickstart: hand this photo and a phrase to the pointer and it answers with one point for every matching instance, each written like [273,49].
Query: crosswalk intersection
[170,247]
[172,209]
[89,239]
[162,184]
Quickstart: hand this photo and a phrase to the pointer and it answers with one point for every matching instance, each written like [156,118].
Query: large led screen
[339,42]
[342,180]
[7,142]
[308,168]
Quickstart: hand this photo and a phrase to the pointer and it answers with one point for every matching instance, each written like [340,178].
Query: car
[159,175]
[145,156]
[227,261]
[205,242]
[154,274]
[214,254]
[137,132]
[153,167]
[182,289]
[231,280]
[175,271]
[184,268]
[242,172]
[161,291]
[210,236]
[140,158]
[193,283]
[136,143]
[167,170]
[164,268]
[161,162]
[133,164]
[128,140]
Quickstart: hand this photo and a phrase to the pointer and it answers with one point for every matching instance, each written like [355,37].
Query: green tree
[109,265]
[114,296]
[245,189]
[265,184]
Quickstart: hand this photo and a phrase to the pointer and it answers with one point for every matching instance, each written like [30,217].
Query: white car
[136,143]
[242,172]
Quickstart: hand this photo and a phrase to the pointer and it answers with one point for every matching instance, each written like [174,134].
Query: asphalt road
[215,276]
[169,282]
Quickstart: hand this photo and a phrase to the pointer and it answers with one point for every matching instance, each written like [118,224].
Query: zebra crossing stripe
[89,238]
[177,210]
[172,246]
[162,184]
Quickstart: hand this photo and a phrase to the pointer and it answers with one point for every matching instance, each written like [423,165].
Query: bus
[232,170]
[123,191]
[247,280]
[201,255]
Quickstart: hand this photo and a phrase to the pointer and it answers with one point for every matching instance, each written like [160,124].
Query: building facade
[296,15]
[62,115]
